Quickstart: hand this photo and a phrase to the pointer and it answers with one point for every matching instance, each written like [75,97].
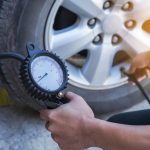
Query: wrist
[92,129]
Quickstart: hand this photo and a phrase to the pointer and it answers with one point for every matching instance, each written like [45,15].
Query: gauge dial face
[47,73]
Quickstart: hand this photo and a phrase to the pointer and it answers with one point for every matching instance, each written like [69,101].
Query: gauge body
[43,74]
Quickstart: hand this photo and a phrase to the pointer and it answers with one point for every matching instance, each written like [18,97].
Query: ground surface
[21,129]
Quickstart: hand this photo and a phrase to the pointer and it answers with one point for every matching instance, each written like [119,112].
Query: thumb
[132,69]
[70,96]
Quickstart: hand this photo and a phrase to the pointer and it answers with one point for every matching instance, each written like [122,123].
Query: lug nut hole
[116,39]
[130,24]
[107,4]
[98,39]
[127,6]
[92,22]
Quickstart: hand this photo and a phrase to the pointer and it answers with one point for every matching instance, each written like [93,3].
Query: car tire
[22,21]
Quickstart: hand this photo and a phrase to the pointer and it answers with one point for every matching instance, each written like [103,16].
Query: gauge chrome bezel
[30,84]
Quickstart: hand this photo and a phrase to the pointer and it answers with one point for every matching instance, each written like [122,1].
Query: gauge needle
[58,82]
[43,77]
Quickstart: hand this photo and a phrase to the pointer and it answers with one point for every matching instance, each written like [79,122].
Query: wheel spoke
[118,4]
[140,11]
[86,8]
[122,32]
[68,43]
[137,41]
[99,64]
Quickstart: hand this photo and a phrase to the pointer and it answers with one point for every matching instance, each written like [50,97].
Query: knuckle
[56,139]
[51,116]
[53,129]
[47,126]
[50,128]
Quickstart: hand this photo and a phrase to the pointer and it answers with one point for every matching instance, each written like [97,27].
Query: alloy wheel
[104,34]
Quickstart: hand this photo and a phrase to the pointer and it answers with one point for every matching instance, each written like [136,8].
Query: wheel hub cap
[112,24]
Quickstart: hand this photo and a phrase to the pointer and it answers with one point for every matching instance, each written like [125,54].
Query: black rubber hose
[137,83]
[12,55]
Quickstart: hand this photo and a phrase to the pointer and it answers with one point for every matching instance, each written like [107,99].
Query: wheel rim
[108,28]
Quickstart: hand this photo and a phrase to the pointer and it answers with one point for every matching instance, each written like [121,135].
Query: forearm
[113,136]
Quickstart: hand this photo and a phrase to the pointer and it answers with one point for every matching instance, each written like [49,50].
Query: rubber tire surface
[22,21]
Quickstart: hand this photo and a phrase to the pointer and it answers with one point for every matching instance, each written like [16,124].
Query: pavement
[22,129]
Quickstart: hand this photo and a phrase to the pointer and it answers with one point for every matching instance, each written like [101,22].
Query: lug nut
[116,39]
[130,24]
[92,22]
[97,39]
[107,5]
[127,6]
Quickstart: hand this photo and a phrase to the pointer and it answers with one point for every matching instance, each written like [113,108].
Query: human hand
[67,123]
[140,66]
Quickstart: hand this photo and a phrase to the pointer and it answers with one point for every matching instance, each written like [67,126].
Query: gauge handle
[52,105]
[55,103]
[58,100]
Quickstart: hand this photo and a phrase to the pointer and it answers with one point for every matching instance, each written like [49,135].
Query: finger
[45,114]
[140,74]
[71,96]
[52,136]
[148,66]
[147,72]
[132,69]
[47,125]
[141,78]
[131,82]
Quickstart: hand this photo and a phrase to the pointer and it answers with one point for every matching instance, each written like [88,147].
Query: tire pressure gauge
[44,76]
